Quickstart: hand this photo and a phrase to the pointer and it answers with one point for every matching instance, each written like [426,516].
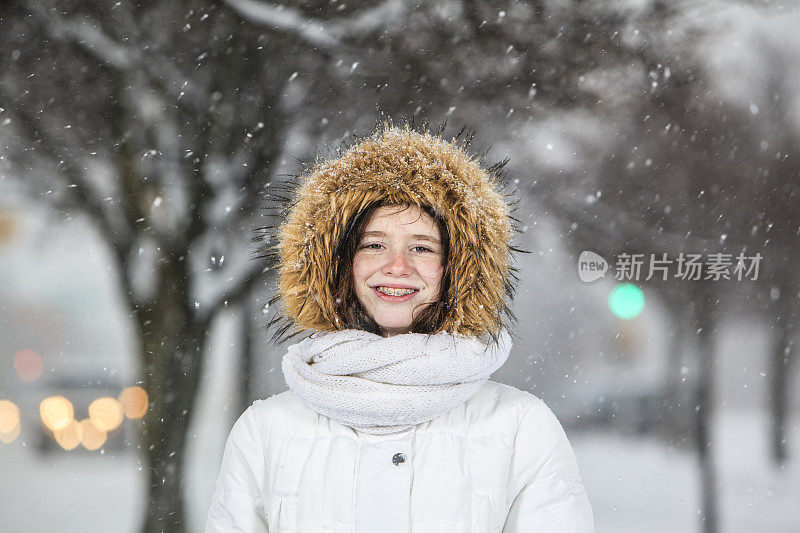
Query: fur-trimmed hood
[399,166]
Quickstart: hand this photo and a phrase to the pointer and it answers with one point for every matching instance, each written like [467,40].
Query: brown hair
[352,314]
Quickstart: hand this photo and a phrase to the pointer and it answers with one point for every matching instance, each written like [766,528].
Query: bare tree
[164,131]
[692,172]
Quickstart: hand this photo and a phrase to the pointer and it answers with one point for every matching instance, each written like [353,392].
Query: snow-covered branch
[601,218]
[259,272]
[287,19]
[375,19]
[326,35]
[95,41]
[91,38]
[77,192]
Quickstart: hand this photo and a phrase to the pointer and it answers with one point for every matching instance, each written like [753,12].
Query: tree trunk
[675,425]
[173,348]
[705,321]
[246,347]
[780,360]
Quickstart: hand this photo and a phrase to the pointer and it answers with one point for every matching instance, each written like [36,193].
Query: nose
[398,265]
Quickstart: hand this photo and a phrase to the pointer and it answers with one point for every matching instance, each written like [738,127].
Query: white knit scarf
[387,384]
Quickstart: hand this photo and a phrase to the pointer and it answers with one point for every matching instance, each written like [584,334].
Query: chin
[394,326]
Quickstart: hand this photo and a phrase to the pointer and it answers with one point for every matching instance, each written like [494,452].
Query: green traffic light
[626,301]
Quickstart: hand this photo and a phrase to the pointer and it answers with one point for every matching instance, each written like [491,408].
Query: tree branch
[327,36]
[258,273]
[92,39]
[598,219]
[77,188]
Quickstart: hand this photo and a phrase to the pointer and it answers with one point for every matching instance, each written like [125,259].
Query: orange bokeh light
[92,436]
[9,416]
[70,435]
[27,365]
[134,401]
[107,413]
[56,412]
[8,437]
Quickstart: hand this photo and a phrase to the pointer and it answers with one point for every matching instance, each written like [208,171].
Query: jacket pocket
[282,514]
[480,514]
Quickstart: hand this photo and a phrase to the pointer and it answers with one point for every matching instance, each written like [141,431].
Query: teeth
[394,292]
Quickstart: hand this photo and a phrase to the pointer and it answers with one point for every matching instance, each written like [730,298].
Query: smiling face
[399,250]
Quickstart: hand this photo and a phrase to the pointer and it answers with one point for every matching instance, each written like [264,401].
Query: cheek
[432,273]
[361,269]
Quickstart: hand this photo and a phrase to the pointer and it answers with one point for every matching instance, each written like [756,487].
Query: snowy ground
[634,485]
[643,485]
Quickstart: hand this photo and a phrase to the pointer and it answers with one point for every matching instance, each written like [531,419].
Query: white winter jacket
[500,462]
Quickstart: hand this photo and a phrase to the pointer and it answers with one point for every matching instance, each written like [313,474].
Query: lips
[394,286]
[390,298]
[394,292]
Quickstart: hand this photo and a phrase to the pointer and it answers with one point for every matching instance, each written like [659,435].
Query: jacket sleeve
[549,496]
[236,505]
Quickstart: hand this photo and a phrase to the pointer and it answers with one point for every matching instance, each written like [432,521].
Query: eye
[423,247]
[370,244]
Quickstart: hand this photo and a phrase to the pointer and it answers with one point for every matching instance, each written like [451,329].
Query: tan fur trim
[405,167]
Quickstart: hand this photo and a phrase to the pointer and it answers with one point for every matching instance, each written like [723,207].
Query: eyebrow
[416,236]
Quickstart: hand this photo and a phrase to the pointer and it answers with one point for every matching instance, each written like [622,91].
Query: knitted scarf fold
[387,384]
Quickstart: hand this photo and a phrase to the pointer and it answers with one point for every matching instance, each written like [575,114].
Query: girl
[396,255]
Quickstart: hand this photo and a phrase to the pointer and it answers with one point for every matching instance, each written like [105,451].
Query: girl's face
[400,249]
